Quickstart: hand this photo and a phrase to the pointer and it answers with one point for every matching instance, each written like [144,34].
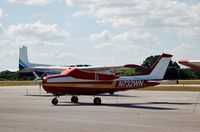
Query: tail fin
[157,71]
[23,58]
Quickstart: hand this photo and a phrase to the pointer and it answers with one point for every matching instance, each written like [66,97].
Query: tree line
[14,76]
[174,72]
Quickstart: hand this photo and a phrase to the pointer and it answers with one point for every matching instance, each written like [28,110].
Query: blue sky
[98,32]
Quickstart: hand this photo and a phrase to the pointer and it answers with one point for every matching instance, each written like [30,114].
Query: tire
[54,101]
[74,99]
[97,101]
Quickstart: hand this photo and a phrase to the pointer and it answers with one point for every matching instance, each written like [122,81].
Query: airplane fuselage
[92,87]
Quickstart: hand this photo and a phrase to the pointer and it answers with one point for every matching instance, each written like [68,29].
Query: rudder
[23,58]
[158,70]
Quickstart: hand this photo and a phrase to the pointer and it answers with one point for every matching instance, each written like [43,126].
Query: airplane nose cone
[44,79]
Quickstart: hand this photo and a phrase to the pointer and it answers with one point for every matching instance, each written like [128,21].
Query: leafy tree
[149,61]
[128,72]
[173,71]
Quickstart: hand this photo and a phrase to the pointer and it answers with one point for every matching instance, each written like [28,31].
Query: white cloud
[5,37]
[133,37]
[31,2]
[2,13]
[185,51]
[115,53]
[10,55]
[136,37]
[1,29]
[137,13]
[38,36]
[126,46]
[38,30]
[103,36]
[92,2]
[183,47]
[80,13]
[189,31]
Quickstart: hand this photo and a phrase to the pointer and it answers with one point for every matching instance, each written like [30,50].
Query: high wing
[193,64]
[113,69]
[101,69]
[43,68]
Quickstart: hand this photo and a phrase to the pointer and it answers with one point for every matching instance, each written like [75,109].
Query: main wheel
[97,101]
[74,99]
[54,101]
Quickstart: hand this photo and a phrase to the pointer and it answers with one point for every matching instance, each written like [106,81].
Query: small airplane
[40,69]
[96,80]
[193,64]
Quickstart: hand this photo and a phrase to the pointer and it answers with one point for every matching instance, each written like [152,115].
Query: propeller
[39,79]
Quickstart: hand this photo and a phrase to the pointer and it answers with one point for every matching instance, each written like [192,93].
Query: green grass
[189,81]
[17,83]
[176,88]
[172,88]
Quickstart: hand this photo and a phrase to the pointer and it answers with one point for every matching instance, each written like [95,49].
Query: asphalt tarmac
[27,109]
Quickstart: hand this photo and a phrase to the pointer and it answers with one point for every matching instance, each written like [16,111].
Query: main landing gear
[97,101]
[74,99]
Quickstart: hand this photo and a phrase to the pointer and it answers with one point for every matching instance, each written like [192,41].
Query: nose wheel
[54,101]
[97,101]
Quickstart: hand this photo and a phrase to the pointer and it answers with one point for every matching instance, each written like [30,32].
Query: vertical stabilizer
[157,71]
[23,58]
[159,68]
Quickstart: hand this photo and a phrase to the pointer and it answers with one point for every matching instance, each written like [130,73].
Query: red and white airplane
[94,80]
[193,64]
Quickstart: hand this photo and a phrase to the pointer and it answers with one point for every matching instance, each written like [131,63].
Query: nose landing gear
[54,101]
